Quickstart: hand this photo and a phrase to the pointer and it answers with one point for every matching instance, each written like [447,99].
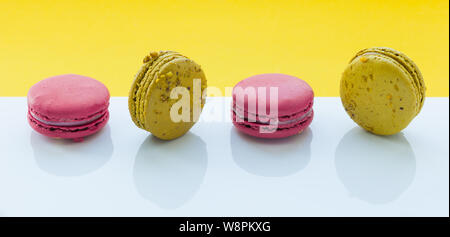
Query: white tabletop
[333,169]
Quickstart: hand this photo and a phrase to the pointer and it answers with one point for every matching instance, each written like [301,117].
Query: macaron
[68,106]
[150,103]
[272,105]
[382,90]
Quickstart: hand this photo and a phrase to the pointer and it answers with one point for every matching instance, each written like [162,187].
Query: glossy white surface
[333,169]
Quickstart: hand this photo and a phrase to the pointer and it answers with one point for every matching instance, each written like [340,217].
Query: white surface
[333,169]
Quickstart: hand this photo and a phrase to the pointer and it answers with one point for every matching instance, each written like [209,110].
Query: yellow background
[313,40]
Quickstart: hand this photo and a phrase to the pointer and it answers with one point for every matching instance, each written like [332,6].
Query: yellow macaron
[382,90]
[152,99]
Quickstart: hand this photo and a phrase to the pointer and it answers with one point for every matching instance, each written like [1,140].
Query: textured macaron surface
[68,98]
[68,106]
[382,90]
[406,63]
[293,100]
[150,100]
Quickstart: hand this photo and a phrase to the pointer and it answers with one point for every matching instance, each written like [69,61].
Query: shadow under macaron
[169,173]
[376,169]
[64,157]
[271,157]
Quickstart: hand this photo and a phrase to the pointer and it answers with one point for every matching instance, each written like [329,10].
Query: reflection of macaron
[382,90]
[68,106]
[150,101]
[291,105]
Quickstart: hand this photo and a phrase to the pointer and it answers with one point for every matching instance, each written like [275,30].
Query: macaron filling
[285,122]
[258,127]
[66,123]
[280,117]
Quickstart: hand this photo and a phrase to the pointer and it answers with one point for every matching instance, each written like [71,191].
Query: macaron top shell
[150,101]
[68,98]
[406,63]
[157,117]
[294,94]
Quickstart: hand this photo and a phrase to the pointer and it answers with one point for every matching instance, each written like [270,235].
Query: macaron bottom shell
[69,132]
[287,130]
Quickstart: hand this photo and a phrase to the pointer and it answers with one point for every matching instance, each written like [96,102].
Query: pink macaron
[272,105]
[68,106]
